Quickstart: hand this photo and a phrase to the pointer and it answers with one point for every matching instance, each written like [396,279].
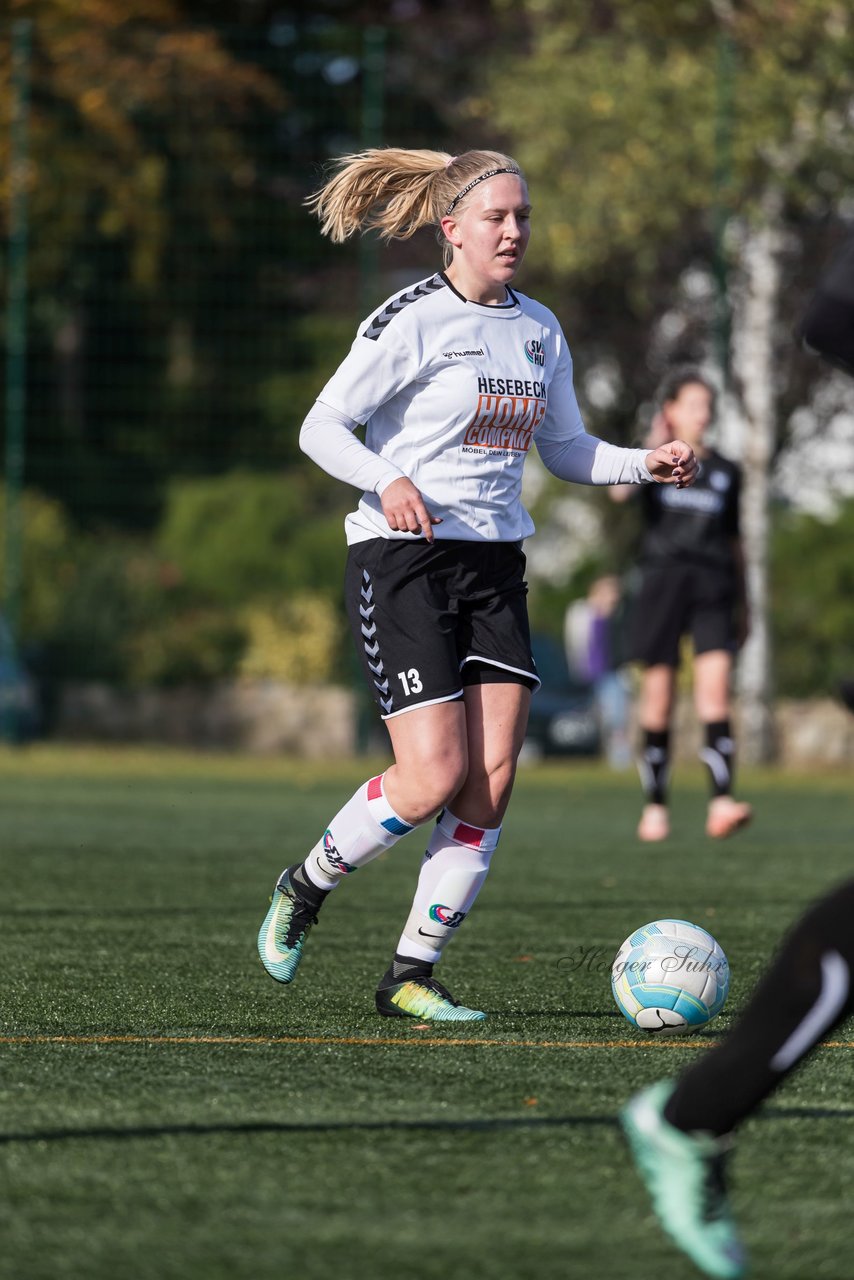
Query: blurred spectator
[19,700]
[594,651]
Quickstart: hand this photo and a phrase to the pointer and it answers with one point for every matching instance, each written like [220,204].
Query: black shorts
[430,618]
[679,600]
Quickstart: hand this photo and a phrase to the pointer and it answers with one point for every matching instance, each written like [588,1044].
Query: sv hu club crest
[535,352]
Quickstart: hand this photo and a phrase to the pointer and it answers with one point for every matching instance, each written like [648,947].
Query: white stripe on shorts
[834,992]
[416,706]
[502,666]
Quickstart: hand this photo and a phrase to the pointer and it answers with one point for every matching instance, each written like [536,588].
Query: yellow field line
[370,1041]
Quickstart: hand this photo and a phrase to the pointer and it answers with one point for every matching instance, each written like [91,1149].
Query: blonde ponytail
[396,191]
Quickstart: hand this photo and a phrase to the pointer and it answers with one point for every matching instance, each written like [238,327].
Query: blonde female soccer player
[455,377]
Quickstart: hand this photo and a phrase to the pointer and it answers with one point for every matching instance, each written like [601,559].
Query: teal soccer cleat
[282,935]
[424,998]
[685,1176]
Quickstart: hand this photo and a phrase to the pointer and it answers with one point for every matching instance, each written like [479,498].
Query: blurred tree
[813,603]
[49,552]
[242,536]
[643,125]
[140,171]
[184,310]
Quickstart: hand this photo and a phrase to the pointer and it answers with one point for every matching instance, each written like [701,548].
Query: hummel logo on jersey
[535,352]
[456,355]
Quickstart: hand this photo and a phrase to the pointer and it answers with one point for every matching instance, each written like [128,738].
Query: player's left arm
[570,453]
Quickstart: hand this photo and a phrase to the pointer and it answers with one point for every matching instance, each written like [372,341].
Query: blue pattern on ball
[671,965]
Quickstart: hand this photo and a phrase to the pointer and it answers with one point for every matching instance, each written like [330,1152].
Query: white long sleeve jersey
[453,393]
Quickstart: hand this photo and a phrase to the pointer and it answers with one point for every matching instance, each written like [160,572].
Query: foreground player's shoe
[423,998]
[726,816]
[283,933]
[654,823]
[684,1174]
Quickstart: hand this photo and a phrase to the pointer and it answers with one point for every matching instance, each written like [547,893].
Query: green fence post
[723,179]
[373,95]
[16,347]
[373,92]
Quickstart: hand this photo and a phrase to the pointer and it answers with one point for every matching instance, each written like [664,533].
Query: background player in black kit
[680,1131]
[692,584]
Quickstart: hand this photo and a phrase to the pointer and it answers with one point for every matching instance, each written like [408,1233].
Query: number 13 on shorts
[410,680]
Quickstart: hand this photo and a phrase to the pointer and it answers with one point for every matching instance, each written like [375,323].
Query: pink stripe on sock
[375,788]
[468,835]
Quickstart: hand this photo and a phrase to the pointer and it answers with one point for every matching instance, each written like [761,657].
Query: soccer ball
[670,977]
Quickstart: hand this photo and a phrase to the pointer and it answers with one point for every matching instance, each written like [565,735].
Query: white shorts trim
[416,706]
[503,666]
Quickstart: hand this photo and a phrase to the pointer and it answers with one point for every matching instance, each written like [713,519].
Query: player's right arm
[372,373]
[328,438]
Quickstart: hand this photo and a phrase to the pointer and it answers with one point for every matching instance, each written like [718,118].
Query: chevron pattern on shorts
[372,644]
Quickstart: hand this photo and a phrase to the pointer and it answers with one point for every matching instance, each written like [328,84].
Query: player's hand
[673,463]
[404,509]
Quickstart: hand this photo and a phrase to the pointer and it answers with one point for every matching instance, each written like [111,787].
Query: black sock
[719,756]
[306,888]
[781,1023]
[654,765]
[404,968]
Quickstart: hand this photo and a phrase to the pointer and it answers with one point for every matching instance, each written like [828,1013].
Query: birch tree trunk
[754,315]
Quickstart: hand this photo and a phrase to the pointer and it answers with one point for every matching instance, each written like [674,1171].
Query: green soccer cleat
[282,935]
[685,1176]
[424,998]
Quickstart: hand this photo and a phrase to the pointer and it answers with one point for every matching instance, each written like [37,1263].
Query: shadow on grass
[320,1126]
[560,1015]
[496,1125]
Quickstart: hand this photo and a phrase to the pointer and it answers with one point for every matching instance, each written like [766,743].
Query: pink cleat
[726,816]
[654,824]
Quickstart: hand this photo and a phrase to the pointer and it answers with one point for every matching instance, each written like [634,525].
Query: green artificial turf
[167,1112]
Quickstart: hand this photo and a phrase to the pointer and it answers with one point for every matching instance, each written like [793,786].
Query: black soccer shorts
[677,600]
[430,618]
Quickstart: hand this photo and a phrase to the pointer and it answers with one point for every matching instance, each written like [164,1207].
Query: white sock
[454,868]
[358,833]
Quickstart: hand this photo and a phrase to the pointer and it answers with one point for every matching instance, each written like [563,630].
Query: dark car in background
[563,719]
[19,698]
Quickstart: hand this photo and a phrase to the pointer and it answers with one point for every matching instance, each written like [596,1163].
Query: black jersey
[696,525]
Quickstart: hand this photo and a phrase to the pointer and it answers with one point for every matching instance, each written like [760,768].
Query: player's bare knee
[429,784]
